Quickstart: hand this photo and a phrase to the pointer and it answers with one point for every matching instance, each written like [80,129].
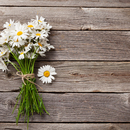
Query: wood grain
[73,107]
[87,3]
[89,45]
[71,18]
[65,126]
[77,77]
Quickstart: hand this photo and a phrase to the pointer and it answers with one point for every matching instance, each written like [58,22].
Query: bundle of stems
[30,100]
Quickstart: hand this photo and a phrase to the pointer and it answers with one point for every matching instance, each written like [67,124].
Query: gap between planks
[73,3]
[62,6]
[66,126]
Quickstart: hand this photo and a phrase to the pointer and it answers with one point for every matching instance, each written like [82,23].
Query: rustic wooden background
[92,59]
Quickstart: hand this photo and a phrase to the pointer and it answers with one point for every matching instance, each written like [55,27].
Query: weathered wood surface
[65,126]
[75,52]
[90,45]
[77,77]
[71,18]
[87,3]
[73,107]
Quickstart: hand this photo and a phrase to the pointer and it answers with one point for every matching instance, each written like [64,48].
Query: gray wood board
[73,107]
[71,18]
[87,3]
[77,77]
[89,45]
[65,126]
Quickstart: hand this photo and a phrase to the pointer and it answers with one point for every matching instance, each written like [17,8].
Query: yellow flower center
[39,21]
[9,24]
[17,40]
[38,34]
[19,33]
[40,44]
[30,26]
[21,53]
[46,73]
[2,52]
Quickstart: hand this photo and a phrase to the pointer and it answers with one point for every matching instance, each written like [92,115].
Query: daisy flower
[28,47]
[3,66]
[20,32]
[8,25]
[40,45]
[21,56]
[4,56]
[32,25]
[30,55]
[4,38]
[3,51]
[46,73]
[41,53]
[39,20]
[47,27]
[39,34]
[48,46]
[17,43]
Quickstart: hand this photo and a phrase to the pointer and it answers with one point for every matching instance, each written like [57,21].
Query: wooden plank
[87,3]
[77,77]
[65,126]
[71,18]
[73,107]
[89,45]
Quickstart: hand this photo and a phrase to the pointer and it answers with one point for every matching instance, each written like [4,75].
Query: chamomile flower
[20,32]
[46,73]
[39,20]
[47,27]
[8,25]
[17,43]
[48,46]
[3,66]
[5,37]
[30,55]
[3,40]
[39,34]
[40,45]
[21,55]
[41,53]
[4,56]
[3,51]
[28,47]
[32,25]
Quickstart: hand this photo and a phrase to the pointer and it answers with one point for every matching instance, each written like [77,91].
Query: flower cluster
[25,40]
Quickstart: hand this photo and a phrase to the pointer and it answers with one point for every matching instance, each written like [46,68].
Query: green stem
[30,99]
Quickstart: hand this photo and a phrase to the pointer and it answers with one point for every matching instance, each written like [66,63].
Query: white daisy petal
[46,72]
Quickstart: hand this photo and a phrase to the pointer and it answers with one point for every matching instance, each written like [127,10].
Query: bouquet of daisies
[25,42]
